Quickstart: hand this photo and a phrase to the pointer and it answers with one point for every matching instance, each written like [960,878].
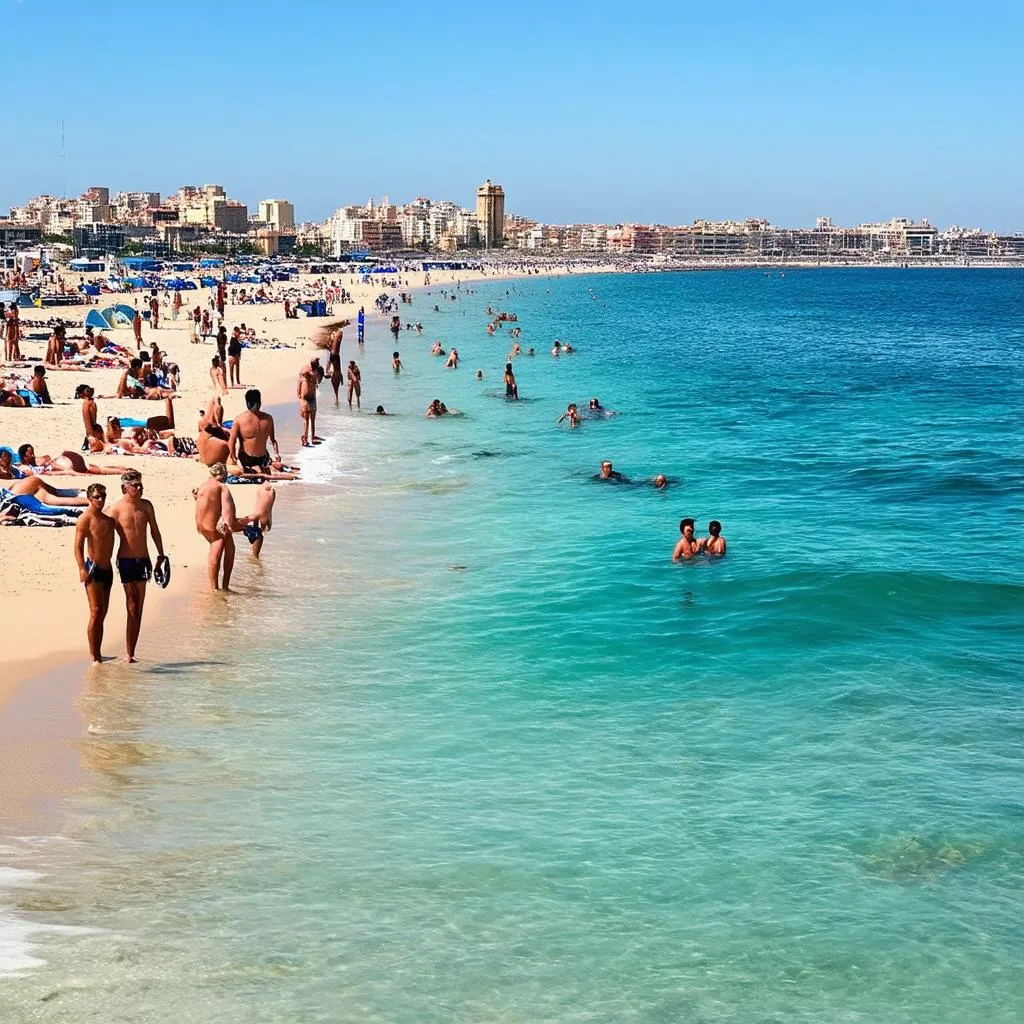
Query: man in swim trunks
[714,543]
[132,516]
[355,383]
[334,363]
[90,416]
[250,432]
[309,378]
[262,519]
[95,531]
[687,546]
[215,521]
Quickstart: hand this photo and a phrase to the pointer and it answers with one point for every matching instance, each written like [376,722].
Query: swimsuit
[253,532]
[254,461]
[97,574]
[135,570]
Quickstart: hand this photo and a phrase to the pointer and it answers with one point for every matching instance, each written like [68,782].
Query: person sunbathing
[12,400]
[37,385]
[69,463]
[131,386]
[36,487]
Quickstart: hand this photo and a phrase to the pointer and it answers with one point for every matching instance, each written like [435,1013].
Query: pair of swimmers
[687,546]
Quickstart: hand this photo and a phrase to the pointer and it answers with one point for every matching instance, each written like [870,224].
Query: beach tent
[209,282]
[136,282]
[89,289]
[183,266]
[109,317]
[208,261]
[95,319]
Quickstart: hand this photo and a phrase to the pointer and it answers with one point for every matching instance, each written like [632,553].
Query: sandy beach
[45,605]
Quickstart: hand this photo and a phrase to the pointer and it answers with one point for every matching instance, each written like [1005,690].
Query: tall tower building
[490,213]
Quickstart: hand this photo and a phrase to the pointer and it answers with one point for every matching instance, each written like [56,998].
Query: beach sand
[44,606]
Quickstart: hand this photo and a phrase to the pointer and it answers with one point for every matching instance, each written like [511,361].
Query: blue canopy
[140,262]
[208,282]
[209,261]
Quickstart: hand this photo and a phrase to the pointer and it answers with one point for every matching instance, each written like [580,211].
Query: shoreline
[41,696]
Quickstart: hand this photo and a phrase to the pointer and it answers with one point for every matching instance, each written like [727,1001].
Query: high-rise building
[278,214]
[490,213]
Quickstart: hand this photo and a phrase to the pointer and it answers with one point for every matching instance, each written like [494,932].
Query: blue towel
[31,504]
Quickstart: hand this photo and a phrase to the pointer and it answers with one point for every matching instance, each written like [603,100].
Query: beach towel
[30,511]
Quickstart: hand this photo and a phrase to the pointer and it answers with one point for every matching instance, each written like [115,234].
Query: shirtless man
[215,521]
[714,543]
[355,383]
[309,378]
[90,416]
[133,515]
[334,363]
[608,473]
[154,314]
[95,530]
[250,432]
[217,378]
[262,518]
[687,546]
[396,362]
[137,329]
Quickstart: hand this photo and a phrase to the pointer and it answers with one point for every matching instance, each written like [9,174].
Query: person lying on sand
[69,463]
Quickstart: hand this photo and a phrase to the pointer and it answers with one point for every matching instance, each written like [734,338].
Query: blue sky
[584,112]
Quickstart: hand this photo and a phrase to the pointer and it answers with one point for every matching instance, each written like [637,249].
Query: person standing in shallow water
[133,516]
[687,546]
[714,543]
[511,387]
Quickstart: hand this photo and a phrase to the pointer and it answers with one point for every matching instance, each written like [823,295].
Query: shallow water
[473,748]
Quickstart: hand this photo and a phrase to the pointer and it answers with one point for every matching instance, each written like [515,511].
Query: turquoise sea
[468,747]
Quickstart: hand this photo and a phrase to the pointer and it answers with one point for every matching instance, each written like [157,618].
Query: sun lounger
[25,510]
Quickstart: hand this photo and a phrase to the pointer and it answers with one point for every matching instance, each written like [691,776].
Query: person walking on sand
[94,546]
[251,432]
[133,515]
[216,521]
[176,305]
[154,312]
[309,379]
[355,383]
[217,379]
[137,329]
[12,333]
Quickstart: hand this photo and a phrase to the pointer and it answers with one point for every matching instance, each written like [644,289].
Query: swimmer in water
[608,473]
[452,362]
[436,350]
[396,362]
[530,352]
[571,414]
[687,546]
[714,543]
[594,405]
[479,374]
[568,349]
[436,408]
[380,411]
[660,481]
[556,349]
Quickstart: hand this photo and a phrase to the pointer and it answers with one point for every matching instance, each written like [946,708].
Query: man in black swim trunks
[250,433]
[95,530]
[132,516]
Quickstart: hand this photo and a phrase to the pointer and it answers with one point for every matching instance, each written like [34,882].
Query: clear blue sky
[663,112]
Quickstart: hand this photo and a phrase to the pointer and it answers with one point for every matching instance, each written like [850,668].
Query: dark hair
[39,371]
[508,367]
[253,399]
[394,355]
[94,489]
[684,523]
[714,527]
[135,365]
[215,360]
[380,409]
[22,451]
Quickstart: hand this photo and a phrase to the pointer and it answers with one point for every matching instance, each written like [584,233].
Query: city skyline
[859,113]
